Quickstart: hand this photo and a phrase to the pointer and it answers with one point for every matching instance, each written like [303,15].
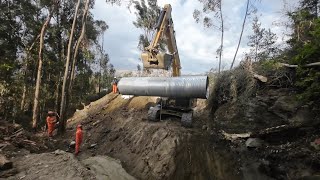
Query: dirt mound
[106,168]
[63,165]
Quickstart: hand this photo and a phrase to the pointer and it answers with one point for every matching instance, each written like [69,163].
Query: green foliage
[305,48]
[147,16]
[261,42]
[20,26]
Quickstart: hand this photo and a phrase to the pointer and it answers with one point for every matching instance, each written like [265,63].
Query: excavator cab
[154,60]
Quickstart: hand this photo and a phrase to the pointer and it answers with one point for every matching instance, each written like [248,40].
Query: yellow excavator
[152,58]
[178,93]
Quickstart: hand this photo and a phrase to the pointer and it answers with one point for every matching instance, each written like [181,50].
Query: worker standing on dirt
[78,138]
[51,122]
[114,85]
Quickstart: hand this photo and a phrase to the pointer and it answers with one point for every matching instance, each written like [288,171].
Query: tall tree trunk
[100,61]
[38,81]
[243,24]
[83,30]
[63,95]
[256,50]
[56,104]
[24,93]
[222,32]
[23,100]
[61,53]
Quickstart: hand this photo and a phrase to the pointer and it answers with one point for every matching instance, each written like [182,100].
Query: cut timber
[5,163]
[295,66]
[288,65]
[260,78]
[235,136]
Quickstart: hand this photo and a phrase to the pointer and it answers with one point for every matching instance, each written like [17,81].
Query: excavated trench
[200,159]
[118,127]
[153,150]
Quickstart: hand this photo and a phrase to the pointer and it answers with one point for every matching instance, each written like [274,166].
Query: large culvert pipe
[176,87]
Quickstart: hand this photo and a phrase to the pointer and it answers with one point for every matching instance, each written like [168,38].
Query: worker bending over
[51,122]
[78,138]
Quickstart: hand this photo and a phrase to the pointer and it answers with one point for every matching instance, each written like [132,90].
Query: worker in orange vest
[51,122]
[114,85]
[78,138]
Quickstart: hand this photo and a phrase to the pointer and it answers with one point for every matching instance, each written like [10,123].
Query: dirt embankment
[62,165]
[274,134]
[118,127]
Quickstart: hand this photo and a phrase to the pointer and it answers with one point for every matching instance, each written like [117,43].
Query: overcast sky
[197,45]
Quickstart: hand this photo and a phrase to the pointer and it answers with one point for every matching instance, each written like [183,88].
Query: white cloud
[196,44]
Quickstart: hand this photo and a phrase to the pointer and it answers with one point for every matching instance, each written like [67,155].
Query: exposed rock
[59,152]
[254,142]
[285,106]
[204,127]
[252,172]
[107,168]
[92,146]
[72,144]
[303,116]
[5,163]
[246,116]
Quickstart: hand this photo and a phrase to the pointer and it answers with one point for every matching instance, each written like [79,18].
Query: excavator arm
[177,93]
[152,58]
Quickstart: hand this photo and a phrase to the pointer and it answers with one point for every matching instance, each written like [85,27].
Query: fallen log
[30,142]
[260,77]
[232,137]
[295,66]
[17,133]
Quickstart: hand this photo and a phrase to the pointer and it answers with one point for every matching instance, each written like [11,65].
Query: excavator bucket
[158,61]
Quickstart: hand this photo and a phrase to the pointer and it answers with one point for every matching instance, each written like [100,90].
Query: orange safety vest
[51,122]
[78,139]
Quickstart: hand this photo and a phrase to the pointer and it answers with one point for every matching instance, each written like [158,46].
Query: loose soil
[117,134]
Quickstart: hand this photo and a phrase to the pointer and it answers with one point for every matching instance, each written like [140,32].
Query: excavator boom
[153,57]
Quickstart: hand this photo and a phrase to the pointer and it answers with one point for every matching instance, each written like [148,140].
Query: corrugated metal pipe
[174,87]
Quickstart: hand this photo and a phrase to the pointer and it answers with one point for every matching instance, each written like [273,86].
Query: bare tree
[222,32]
[243,25]
[214,6]
[103,27]
[38,81]
[63,95]
[83,29]
[24,93]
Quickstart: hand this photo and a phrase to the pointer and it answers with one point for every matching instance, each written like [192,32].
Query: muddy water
[199,159]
